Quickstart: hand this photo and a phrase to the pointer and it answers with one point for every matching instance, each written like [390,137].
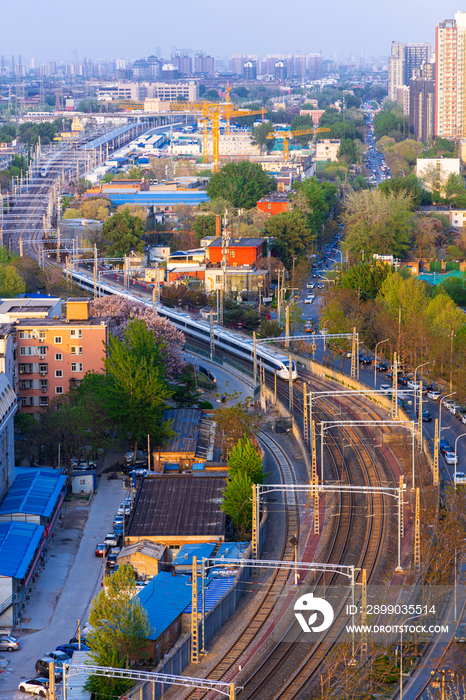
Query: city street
[66,587]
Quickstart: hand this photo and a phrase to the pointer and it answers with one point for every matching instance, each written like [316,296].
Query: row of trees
[244,469]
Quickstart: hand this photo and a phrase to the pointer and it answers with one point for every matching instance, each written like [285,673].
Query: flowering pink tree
[122,311]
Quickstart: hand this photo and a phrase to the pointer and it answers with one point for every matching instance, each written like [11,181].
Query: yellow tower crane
[287,135]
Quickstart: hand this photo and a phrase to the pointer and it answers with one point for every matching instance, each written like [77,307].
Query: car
[69,649]
[112,557]
[112,540]
[403,381]
[308,326]
[309,299]
[448,403]
[8,643]
[453,408]
[100,549]
[140,472]
[42,668]
[446,448]
[434,395]
[385,388]
[129,456]
[138,464]
[57,656]
[463,418]
[365,359]
[321,286]
[443,442]
[82,466]
[118,528]
[411,384]
[460,635]
[382,367]
[426,416]
[450,457]
[124,509]
[118,520]
[35,686]
[310,285]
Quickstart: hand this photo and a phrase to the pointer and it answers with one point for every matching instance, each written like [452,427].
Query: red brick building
[241,251]
[55,353]
[274,203]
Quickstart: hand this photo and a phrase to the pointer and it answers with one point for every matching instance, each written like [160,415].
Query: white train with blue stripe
[224,339]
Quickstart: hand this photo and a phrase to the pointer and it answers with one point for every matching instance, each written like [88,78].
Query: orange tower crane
[287,135]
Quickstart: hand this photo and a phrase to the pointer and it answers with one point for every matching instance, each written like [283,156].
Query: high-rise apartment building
[422,103]
[404,59]
[204,64]
[450,75]
[315,65]
[183,62]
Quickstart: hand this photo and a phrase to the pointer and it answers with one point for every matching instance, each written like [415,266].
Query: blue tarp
[158,199]
[34,492]
[188,551]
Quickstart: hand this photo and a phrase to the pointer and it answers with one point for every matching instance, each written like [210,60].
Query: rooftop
[62,321]
[185,423]
[276,196]
[215,589]
[164,599]
[236,242]
[188,551]
[179,505]
[33,492]
[144,547]
[18,543]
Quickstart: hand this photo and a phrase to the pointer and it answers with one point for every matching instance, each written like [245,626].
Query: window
[76,350]
[76,366]
[25,369]
[25,334]
[42,350]
[25,350]
[43,400]
[82,482]
[43,369]
[59,390]
[59,373]
[27,401]
[42,335]
[76,333]
[57,340]
[58,357]
[26,384]
[232,253]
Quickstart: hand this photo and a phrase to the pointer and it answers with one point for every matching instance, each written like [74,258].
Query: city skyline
[104,30]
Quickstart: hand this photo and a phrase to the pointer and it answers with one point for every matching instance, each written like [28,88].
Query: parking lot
[65,588]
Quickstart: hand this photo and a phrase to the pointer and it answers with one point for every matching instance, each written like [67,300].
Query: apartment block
[55,353]
[422,103]
[168,92]
[402,63]
[450,75]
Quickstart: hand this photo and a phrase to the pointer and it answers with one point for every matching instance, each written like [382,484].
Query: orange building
[241,251]
[274,203]
[55,353]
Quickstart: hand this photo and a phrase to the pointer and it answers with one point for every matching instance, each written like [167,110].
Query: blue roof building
[34,496]
[184,558]
[215,589]
[20,545]
[159,199]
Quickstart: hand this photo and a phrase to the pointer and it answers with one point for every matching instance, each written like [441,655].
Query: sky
[54,29]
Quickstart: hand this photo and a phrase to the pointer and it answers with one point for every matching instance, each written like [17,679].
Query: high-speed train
[44,171]
[227,340]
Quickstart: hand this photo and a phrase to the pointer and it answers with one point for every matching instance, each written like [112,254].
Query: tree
[425,232]
[366,278]
[120,629]
[259,136]
[377,223]
[348,151]
[134,210]
[269,329]
[242,184]
[204,225]
[11,284]
[185,393]
[454,186]
[291,235]
[234,421]
[125,233]
[135,394]
[244,459]
[237,502]
[409,185]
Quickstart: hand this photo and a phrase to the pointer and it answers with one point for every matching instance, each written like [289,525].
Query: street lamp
[375,357]
[456,458]
[415,387]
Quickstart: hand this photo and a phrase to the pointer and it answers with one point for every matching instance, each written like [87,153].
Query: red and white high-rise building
[450,75]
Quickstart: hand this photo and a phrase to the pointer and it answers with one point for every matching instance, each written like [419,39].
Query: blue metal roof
[215,590]
[18,543]
[34,492]
[106,137]
[188,551]
[232,550]
[164,599]
[150,199]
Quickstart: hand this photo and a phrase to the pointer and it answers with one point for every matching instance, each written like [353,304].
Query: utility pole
[194,616]
[287,326]
[290,386]
[436,447]
[417,533]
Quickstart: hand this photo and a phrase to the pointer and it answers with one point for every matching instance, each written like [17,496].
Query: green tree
[125,233]
[291,235]
[234,421]
[237,502]
[259,136]
[269,329]
[244,459]
[409,185]
[367,278]
[454,186]
[348,151]
[135,394]
[242,184]
[11,284]
[185,393]
[120,629]
[204,225]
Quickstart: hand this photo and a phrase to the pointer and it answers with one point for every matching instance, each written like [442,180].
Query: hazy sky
[117,28]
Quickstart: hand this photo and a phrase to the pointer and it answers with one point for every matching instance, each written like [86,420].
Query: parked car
[447,403]
[118,520]
[460,477]
[57,656]
[42,668]
[69,649]
[112,557]
[433,394]
[118,528]
[365,359]
[124,509]
[385,388]
[460,635]
[450,457]
[129,456]
[411,384]
[8,643]
[36,686]
[112,540]
[403,381]
[426,416]
[140,472]
[138,464]
[463,418]
[382,367]
[446,448]
[101,549]
[453,408]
